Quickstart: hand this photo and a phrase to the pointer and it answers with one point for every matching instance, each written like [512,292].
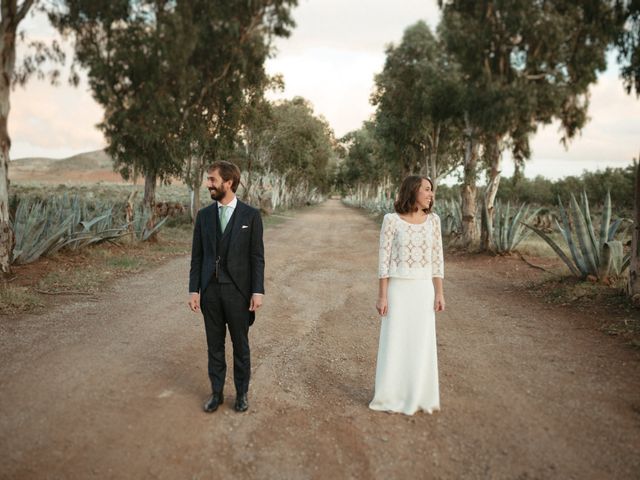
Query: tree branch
[22,11]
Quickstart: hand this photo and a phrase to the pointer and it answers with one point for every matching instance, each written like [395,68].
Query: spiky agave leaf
[583,236]
[611,259]
[565,230]
[606,220]
[593,243]
[556,249]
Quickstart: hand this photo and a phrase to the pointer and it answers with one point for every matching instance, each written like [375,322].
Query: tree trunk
[11,17]
[494,154]
[469,189]
[634,267]
[6,233]
[195,203]
[247,188]
[149,202]
[433,158]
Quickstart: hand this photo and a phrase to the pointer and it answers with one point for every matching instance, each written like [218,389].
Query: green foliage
[450,213]
[628,43]
[141,223]
[527,62]
[287,139]
[542,191]
[417,98]
[172,77]
[360,160]
[508,230]
[44,227]
[378,203]
[37,232]
[597,255]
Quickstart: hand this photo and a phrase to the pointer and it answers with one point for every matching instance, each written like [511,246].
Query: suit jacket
[245,259]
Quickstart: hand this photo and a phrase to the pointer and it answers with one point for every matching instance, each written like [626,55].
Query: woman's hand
[381,306]
[438,304]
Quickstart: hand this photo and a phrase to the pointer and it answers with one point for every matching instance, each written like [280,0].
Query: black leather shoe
[242,403]
[215,400]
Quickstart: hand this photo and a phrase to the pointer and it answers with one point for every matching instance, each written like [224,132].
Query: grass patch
[85,280]
[535,246]
[125,262]
[275,219]
[15,300]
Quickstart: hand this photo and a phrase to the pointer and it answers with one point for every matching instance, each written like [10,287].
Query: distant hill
[88,167]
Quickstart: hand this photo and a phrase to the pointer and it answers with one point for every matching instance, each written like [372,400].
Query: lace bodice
[410,251]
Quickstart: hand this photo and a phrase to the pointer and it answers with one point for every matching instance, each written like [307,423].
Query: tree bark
[12,14]
[634,267]
[469,188]
[193,179]
[149,201]
[494,154]
[433,158]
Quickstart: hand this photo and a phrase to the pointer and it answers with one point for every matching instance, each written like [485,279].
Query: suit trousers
[224,306]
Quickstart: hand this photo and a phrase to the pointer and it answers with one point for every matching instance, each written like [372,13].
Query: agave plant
[140,221]
[43,228]
[38,231]
[450,214]
[598,256]
[508,231]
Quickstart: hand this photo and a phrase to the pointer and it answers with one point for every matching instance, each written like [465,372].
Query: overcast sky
[330,59]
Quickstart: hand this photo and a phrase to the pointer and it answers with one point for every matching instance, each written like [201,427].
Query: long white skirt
[407,368]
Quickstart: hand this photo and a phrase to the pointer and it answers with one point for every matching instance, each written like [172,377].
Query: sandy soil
[113,388]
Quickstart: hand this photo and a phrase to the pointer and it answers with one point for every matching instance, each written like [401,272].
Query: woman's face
[424,196]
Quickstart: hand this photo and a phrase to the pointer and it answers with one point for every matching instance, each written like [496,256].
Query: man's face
[218,188]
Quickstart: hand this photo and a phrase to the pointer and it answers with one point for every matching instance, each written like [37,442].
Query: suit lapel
[212,229]
[238,219]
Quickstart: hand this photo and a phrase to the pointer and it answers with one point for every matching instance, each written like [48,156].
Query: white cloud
[56,119]
[610,139]
[337,82]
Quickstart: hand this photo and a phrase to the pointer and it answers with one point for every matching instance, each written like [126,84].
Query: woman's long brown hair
[406,201]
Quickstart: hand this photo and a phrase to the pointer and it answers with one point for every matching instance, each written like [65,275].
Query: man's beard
[216,194]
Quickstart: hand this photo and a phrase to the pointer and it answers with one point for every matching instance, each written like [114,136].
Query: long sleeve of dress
[437,257]
[386,240]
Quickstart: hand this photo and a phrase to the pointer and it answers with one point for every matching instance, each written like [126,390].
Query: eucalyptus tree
[527,63]
[634,266]
[418,100]
[627,43]
[361,165]
[135,55]
[170,75]
[12,14]
[228,81]
[286,138]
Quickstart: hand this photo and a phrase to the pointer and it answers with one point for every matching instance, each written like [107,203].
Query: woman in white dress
[411,269]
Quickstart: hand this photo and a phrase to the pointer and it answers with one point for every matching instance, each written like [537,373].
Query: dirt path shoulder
[113,388]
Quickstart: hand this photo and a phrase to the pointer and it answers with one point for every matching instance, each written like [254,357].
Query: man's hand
[256,302]
[194,302]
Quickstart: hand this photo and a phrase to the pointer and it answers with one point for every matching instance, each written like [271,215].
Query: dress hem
[430,411]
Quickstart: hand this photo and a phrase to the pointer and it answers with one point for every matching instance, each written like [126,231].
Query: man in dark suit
[226,281]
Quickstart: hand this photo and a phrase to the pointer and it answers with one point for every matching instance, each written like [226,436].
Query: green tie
[224,216]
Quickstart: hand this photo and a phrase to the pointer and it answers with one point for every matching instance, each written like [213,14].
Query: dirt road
[113,388]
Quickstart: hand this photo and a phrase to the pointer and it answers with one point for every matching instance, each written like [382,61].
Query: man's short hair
[228,171]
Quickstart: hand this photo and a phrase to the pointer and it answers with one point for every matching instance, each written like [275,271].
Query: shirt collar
[232,204]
